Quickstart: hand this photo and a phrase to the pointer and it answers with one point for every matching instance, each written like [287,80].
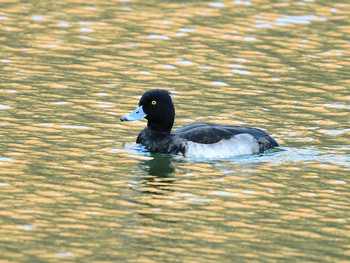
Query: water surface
[74,186]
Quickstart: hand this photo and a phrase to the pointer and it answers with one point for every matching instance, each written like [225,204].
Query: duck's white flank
[240,144]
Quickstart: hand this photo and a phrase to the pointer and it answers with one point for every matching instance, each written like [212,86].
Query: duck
[202,140]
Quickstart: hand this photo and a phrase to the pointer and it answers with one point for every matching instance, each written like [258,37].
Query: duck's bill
[135,115]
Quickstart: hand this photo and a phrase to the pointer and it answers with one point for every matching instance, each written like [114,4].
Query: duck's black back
[208,133]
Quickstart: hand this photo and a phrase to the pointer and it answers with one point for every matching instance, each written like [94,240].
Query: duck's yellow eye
[154,102]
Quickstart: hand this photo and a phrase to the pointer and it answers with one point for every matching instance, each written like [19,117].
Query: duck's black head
[158,108]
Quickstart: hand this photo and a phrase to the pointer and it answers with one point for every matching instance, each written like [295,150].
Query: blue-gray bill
[137,114]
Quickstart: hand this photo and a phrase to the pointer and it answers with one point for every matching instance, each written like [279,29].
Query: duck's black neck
[160,127]
[162,121]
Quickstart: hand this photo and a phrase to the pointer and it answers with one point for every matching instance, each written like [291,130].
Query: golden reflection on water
[74,186]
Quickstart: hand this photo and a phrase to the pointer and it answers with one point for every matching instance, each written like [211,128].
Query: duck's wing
[209,133]
[203,133]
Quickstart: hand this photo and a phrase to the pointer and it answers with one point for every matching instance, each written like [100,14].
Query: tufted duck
[206,140]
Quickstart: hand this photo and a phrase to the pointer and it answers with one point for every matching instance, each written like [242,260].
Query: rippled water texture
[74,186]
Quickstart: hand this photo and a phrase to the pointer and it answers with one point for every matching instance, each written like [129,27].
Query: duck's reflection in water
[160,165]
